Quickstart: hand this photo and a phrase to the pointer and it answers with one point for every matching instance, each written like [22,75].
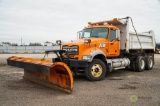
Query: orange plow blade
[54,75]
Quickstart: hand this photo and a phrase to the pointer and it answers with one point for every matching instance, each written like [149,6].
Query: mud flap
[54,75]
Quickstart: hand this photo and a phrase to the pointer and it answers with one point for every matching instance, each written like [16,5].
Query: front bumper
[78,63]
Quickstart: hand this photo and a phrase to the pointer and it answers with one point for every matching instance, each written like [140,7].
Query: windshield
[95,33]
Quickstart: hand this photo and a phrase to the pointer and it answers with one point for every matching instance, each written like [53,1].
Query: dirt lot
[119,88]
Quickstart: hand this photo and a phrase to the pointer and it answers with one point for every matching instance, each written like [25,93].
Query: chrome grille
[71,49]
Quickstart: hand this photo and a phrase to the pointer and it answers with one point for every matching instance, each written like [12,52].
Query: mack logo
[70,49]
[102,45]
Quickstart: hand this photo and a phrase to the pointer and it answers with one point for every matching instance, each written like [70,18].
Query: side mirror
[59,42]
[118,35]
[79,34]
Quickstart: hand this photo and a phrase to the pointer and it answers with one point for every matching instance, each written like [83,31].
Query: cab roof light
[115,18]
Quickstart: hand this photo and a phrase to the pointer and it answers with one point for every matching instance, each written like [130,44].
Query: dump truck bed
[141,40]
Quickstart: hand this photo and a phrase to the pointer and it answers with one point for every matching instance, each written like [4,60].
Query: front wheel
[96,70]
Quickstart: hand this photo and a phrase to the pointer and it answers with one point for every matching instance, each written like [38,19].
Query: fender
[96,52]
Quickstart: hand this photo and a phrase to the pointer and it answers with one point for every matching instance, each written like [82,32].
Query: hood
[81,41]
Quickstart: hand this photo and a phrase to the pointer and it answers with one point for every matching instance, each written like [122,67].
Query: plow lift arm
[54,74]
[58,53]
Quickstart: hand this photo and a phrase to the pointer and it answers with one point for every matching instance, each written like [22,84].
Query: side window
[112,35]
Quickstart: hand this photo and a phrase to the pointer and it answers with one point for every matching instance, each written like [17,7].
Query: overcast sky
[49,20]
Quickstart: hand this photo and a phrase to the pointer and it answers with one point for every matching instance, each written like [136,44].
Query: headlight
[87,57]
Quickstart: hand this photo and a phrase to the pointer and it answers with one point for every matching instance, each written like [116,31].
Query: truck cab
[106,39]
[93,40]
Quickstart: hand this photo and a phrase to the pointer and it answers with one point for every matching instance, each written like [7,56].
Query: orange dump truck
[102,47]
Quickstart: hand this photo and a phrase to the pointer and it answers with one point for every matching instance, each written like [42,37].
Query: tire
[140,64]
[149,63]
[96,70]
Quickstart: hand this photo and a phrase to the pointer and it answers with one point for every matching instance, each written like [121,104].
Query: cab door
[114,43]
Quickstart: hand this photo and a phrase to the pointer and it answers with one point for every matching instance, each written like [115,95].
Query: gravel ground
[119,88]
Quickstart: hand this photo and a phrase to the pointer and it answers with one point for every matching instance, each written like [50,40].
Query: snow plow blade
[54,75]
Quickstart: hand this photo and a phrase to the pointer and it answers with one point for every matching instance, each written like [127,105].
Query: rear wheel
[96,70]
[140,63]
[149,63]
